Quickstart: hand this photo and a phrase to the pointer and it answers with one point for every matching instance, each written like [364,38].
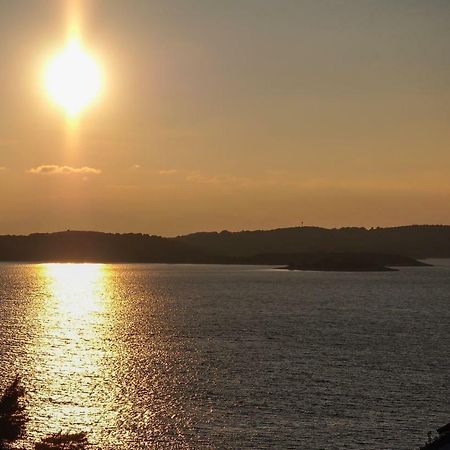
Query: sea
[153,356]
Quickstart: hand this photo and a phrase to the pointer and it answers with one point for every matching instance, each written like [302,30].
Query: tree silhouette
[12,416]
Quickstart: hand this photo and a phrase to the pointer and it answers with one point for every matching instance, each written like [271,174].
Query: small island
[351,262]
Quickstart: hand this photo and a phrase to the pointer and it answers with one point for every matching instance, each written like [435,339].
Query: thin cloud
[167,171]
[122,187]
[197,177]
[2,168]
[51,169]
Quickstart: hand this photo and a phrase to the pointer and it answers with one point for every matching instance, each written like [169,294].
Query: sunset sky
[236,114]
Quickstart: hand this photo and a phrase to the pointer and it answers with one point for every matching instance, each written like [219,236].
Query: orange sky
[243,114]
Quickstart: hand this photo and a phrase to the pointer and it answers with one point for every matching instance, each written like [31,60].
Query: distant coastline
[280,247]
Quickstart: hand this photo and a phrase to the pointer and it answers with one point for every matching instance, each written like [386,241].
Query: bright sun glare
[73,78]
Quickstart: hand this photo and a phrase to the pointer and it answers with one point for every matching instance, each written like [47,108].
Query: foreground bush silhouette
[12,417]
[59,441]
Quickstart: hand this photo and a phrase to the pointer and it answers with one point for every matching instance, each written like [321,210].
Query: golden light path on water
[103,354]
[70,350]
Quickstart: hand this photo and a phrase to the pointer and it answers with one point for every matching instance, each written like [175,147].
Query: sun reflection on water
[70,348]
[104,356]
[76,289]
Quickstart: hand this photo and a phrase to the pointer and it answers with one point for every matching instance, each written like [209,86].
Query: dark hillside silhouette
[86,246]
[244,247]
[417,241]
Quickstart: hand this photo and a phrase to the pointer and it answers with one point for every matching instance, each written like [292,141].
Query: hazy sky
[235,114]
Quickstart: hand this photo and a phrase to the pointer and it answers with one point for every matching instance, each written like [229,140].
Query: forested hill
[247,246]
[89,246]
[419,241]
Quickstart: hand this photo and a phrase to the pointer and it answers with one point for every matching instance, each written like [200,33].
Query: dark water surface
[158,356]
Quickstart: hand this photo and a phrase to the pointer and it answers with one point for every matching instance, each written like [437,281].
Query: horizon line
[349,227]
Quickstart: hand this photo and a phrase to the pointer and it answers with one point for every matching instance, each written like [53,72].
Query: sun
[73,78]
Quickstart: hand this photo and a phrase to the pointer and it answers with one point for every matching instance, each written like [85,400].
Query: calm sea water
[160,356]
